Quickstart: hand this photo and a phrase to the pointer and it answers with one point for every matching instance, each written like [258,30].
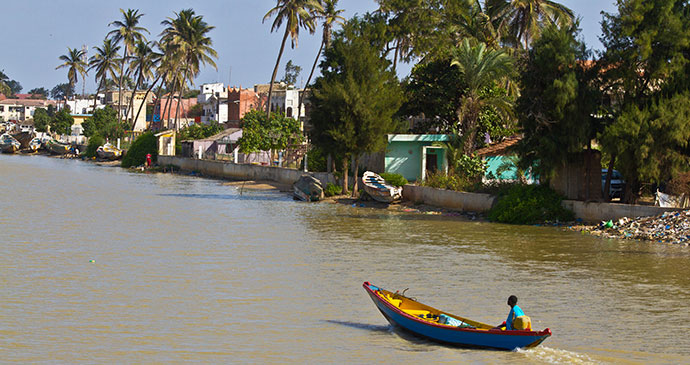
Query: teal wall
[405,158]
[495,162]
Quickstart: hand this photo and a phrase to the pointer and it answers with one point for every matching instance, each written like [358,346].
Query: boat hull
[379,190]
[456,336]
[58,148]
[9,148]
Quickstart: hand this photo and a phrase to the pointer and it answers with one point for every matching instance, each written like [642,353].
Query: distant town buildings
[112,98]
[22,109]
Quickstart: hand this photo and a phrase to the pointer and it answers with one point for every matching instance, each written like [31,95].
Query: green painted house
[414,156]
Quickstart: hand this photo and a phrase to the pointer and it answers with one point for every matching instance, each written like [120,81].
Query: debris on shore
[669,227]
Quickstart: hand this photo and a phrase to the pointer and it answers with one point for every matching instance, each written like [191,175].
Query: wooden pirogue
[430,323]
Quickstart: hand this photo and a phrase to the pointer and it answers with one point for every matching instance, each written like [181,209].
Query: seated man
[517,320]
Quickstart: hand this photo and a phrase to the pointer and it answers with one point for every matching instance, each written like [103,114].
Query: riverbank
[668,227]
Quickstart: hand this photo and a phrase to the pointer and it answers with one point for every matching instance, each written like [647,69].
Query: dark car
[617,183]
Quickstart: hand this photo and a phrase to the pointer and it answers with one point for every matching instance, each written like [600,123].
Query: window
[2,108]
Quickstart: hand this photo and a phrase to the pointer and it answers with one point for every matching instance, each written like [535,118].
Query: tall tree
[645,67]
[523,20]
[355,98]
[329,17]
[480,68]
[296,14]
[106,63]
[75,64]
[129,33]
[559,98]
[292,72]
[188,34]
[144,60]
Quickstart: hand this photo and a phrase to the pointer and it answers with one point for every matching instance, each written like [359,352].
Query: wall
[405,158]
[473,202]
[234,171]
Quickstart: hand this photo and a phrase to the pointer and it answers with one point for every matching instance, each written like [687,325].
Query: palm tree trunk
[119,92]
[131,100]
[182,86]
[395,55]
[98,89]
[146,95]
[313,67]
[275,72]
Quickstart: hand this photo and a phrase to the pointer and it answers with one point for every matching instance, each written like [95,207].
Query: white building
[85,106]
[21,109]
[284,99]
[214,102]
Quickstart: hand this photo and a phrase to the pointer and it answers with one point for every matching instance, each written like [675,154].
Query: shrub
[529,204]
[441,180]
[332,190]
[394,179]
[94,142]
[143,145]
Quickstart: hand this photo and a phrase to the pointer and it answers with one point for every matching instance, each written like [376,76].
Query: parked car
[617,183]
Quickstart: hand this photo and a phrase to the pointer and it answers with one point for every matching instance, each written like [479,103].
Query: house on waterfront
[240,102]
[22,109]
[501,162]
[165,110]
[85,106]
[213,99]
[415,156]
[141,99]
[284,99]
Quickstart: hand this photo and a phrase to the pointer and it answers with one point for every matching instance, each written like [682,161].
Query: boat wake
[556,356]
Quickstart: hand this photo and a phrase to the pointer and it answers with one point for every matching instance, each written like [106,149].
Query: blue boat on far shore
[446,328]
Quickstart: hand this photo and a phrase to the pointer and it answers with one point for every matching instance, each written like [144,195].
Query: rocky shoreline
[669,227]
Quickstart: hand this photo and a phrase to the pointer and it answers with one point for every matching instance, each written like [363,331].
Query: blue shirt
[514,313]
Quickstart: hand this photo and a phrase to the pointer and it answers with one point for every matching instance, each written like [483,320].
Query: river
[103,265]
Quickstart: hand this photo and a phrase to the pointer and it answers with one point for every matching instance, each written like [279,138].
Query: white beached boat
[9,144]
[379,190]
[109,152]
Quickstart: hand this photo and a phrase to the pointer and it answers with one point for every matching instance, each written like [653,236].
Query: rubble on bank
[669,227]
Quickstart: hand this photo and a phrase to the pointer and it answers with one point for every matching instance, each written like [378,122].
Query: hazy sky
[34,33]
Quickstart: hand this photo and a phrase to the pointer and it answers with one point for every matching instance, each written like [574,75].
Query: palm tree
[480,68]
[74,62]
[523,20]
[128,32]
[144,59]
[330,16]
[296,14]
[187,35]
[106,63]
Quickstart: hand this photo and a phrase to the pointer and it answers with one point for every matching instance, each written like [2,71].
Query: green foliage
[451,181]
[356,97]
[199,131]
[394,179]
[95,141]
[471,167]
[317,159]
[557,101]
[332,190]
[143,145]
[260,133]
[41,120]
[61,91]
[529,204]
[291,73]
[62,123]
[104,123]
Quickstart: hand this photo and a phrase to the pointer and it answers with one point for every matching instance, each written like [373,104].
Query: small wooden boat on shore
[24,138]
[446,328]
[378,189]
[58,148]
[9,144]
[35,144]
[308,188]
[108,152]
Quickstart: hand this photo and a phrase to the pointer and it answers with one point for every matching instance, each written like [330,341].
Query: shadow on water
[362,326]
[272,197]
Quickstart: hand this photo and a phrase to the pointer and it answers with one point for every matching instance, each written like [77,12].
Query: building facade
[141,99]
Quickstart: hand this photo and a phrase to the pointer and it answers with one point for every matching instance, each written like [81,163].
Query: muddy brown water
[102,265]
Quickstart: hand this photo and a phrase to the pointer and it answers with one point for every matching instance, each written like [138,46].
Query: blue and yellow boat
[446,328]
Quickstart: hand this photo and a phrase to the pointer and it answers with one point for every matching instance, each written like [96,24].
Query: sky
[34,33]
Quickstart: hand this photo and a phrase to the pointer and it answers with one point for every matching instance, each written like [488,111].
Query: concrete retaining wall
[457,200]
[229,170]
[597,212]
[482,203]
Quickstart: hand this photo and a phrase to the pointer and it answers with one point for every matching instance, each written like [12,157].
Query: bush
[441,180]
[394,179]
[94,142]
[332,190]
[529,204]
[143,145]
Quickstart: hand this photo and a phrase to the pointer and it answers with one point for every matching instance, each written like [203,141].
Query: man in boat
[517,320]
